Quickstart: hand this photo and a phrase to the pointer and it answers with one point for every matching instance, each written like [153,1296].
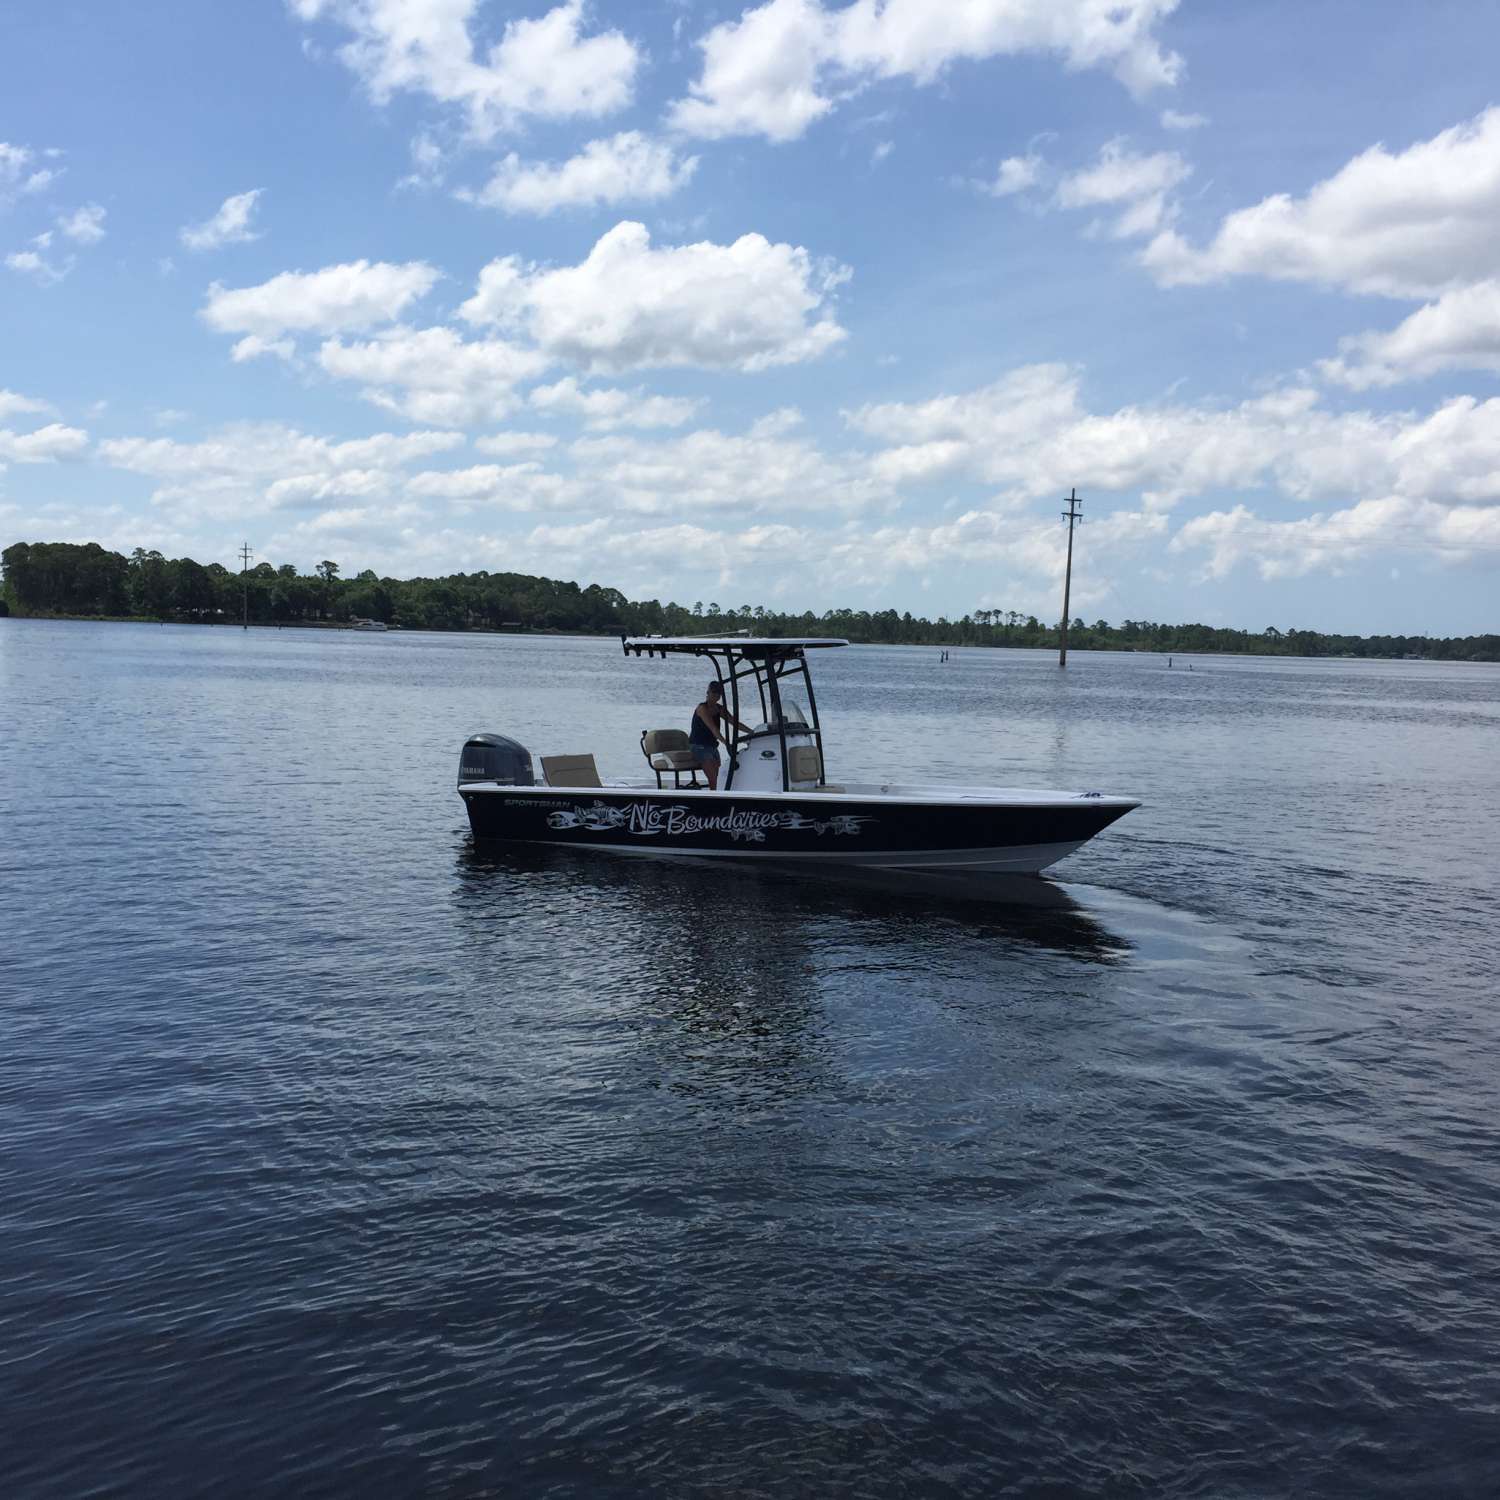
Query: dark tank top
[700,733]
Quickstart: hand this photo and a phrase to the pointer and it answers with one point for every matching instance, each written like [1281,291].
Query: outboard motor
[492,757]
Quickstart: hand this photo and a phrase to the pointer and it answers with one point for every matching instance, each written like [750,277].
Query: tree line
[71,579]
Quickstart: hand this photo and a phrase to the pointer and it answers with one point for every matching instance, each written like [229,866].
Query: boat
[777,803]
[368,625]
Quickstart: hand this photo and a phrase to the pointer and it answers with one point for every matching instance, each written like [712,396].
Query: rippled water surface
[340,1158]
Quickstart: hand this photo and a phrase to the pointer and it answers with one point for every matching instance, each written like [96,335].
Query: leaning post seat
[669,751]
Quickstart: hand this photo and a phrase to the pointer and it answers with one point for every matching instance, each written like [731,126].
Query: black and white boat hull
[981,829]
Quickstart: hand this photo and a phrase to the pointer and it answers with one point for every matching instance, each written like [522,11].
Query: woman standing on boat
[708,718]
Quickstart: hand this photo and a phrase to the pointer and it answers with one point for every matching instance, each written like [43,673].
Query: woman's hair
[716,687]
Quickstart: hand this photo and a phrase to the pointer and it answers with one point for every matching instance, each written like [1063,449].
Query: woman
[708,718]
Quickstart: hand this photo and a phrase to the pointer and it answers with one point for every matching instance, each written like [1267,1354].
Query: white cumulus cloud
[253,346]
[1027,551]
[1460,331]
[13,403]
[749,305]
[43,446]
[360,294]
[1409,224]
[19,174]
[1138,185]
[14,161]
[542,67]
[606,409]
[519,487]
[762,74]
[428,164]
[1338,540]
[782,65]
[230,225]
[250,468]
[1019,433]
[84,225]
[713,470]
[622,168]
[1418,224]
[1014,175]
[510,444]
[433,375]
[36,265]
[308,491]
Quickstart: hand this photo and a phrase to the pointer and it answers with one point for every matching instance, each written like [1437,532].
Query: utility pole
[1072,517]
[245,556]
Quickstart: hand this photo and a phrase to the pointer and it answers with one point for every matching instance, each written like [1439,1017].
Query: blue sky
[800,303]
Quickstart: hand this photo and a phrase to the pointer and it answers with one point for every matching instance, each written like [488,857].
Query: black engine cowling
[492,757]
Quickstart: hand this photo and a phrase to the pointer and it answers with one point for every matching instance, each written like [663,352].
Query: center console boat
[776,802]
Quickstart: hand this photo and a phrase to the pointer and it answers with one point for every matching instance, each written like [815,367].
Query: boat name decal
[650,819]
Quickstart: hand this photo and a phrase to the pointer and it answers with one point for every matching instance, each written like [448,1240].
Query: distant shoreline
[950,645]
[82,580]
[343,625]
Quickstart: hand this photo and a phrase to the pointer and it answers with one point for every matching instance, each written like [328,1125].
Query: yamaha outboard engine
[492,757]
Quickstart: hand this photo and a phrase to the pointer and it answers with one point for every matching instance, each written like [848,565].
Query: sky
[808,304]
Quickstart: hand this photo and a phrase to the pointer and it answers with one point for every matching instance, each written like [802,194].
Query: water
[340,1159]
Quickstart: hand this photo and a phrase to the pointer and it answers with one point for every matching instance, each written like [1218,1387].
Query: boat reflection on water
[727,1011]
[748,990]
[718,904]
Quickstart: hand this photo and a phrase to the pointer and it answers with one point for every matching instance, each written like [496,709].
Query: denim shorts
[706,755]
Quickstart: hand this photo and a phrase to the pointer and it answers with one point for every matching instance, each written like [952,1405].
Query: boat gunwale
[939,796]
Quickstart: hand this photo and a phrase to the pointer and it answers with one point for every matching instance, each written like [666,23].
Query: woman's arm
[720,713]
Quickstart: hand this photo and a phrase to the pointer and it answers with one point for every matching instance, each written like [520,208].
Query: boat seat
[669,752]
[570,770]
[803,764]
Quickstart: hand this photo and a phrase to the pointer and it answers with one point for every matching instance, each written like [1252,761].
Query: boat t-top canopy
[767,663]
[748,645]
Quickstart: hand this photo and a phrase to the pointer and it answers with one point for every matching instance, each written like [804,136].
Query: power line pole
[1073,517]
[245,556]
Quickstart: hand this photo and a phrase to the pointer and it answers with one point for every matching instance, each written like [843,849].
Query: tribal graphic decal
[649,820]
[597,819]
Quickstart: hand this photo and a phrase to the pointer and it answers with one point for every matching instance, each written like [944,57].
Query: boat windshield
[793,718]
